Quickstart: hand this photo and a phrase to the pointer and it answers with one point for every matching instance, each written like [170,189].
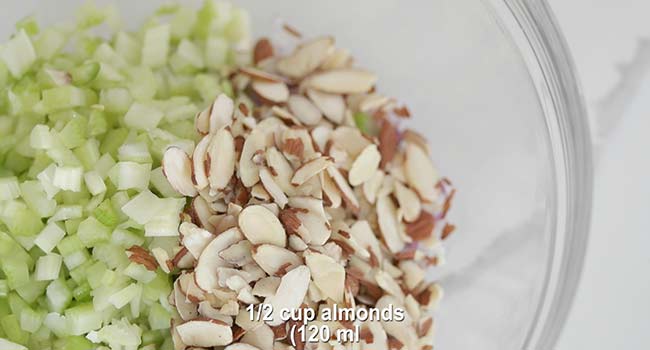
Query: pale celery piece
[84,121]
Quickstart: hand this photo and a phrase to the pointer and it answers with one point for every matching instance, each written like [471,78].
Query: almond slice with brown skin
[199,157]
[347,194]
[330,190]
[261,226]
[187,309]
[340,58]
[205,333]
[263,49]
[177,168]
[408,201]
[188,286]
[331,105]
[200,213]
[306,58]
[238,254]
[387,218]
[271,258]
[315,228]
[343,81]
[221,154]
[310,169]
[290,294]
[365,166]
[304,110]
[420,173]
[387,283]
[162,258]
[258,74]
[267,286]
[328,275]
[321,135]
[285,115]
[202,121]
[261,337]
[221,112]
[258,139]
[206,310]
[272,188]
[194,238]
[350,139]
[273,92]
[205,272]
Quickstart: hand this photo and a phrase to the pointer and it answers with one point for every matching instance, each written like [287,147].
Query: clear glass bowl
[490,82]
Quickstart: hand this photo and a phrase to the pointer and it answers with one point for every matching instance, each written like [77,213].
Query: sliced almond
[387,283]
[267,286]
[306,58]
[205,333]
[387,218]
[285,115]
[210,260]
[290,294]
[280,169]
[314,227]
[340,58]
[261,226]
[343,81]
[408,201]
[206,310]
[199,161]
[388,143]
[328,275]
[365,166]
[263,49]
[310,169]
[413,273]
[202,121]
[371,187]
[257,74]
[188,286]
[187,309]
[221,154]
[347,194]
[350,139]
[304,110]
[372,102]
[272,188]
[201,212]
[258,139]
[221,112]
[274,92]
[362,233]
[194,238]
[332,106]
[420,173]
[297,244]
[162,258]
[238,254]
[321,135]
[271,258]
[177,168]
[330,190]
[261,337]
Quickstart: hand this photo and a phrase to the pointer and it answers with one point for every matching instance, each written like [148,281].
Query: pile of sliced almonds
[294,206]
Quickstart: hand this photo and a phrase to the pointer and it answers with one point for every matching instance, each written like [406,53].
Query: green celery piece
[85,73]
[73,343]
[11,326]
[74,133]
[29,25]
[113,140]
[106,214]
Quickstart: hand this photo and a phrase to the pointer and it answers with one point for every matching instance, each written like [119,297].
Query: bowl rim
[535,32]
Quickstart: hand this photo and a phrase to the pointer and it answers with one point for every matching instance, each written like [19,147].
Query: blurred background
[610,43]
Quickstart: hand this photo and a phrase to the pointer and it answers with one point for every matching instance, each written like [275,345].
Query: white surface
[612,306]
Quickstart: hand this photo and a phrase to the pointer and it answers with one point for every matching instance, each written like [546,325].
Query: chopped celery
[16,271]
[142,117]
[156,46]
[63,97]
[106,214]
[48,267]
[36,199]
[58,295]
[82,319]
[68,178]
[18,54]
[143,207]
[139,273]
[130,175]
[49,237]
[20,219]
[9,188]
[74,133]
[31,320]
[11,326]
[91,232]
[113,140]
[29,25]
[85,73]
[159,318]
[8,345]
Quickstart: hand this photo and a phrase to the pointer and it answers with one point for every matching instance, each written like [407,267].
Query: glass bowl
[491,84]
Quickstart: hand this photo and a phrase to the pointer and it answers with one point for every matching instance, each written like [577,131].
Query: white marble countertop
[609,43]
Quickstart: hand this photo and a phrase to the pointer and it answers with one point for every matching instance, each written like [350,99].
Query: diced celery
[71,225]
[155,47]
[139,273]
[216,52]
[85,73]
[121,333]
[29,25]
[95,273]
[31,320]
[116,100]
[41,138]
[124,296]
[20,219]
[143,207]
[8,345]
[36,199]
[207,86]
[91,232]
[113,140]
[16,271]
[11,326]
[88,152]
[56,323]
[126,238]
[159,318]
[63,97]
[94,182]
[82,319]
[106,214]
[75,259]
[4,289]
[182,23]
[130,175]
[142,117]
[105,54]
[49,42]
[142,83]
[18,54]
[16,303]
[49,237]
[161,185]
[46,178]
[112,255]
[66,212]
[16,162]
[127,47]
[32,290]
[187,58]
[97,123]
[58,295]
[9,188]
[134,151]
[68,178]
[48,267]
[82,292]
[74,133]
[69,245]
[104,165]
